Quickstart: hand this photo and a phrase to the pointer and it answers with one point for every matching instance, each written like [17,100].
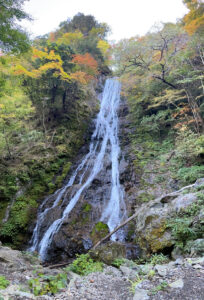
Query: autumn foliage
[86,61]
[194,20]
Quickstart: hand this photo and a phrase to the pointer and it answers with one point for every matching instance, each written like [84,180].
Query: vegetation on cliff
[47,97]
[162,77]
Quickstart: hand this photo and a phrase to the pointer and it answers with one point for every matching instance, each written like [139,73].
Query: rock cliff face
[83,227]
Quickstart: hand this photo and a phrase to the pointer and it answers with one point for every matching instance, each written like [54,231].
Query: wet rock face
[76,233]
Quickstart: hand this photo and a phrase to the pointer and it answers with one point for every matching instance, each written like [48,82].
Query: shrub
[162,286]
[183,230]
[47,284]
[84,265]
[188,146]
[3,283]
[191,174]
[158,259]
[118,262]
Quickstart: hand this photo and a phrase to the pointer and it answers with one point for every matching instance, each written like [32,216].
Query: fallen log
[112,232]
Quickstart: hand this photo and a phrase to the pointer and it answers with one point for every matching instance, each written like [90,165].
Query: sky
[126,18]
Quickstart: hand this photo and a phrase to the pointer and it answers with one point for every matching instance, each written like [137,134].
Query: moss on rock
[99,231]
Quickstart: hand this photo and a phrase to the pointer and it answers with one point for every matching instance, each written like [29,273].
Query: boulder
[178,284]
[128,273]
[151,220]
[140,294]
[108,252]
[113,250]
[12,258]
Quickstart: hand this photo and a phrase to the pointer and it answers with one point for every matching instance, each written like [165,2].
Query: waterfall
[104,142]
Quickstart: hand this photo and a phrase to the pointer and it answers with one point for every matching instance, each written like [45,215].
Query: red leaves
[86,60]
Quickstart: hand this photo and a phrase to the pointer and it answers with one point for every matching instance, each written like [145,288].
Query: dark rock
[108,252]
[113,250]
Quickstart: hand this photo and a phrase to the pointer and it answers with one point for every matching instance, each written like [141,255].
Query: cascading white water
[104,142]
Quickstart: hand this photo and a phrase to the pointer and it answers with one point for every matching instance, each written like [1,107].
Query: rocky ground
[180,279]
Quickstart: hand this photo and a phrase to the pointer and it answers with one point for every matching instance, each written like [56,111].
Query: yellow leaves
[20,70]
[54,63]
[70,38]
[46,55]
[156,56]
[39,54]
[103,46]
[168,97]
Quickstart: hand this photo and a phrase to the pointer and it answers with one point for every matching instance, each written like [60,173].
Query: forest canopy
[12,36]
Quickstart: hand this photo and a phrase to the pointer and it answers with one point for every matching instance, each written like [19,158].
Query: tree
[153,54]
[84,24]
[12,37]
[194,20]
[163,71]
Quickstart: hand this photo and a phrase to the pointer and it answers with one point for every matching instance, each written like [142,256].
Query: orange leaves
[81,77]
[192,26]
[194,20]
[50,61]
[86,61]
[88,68]
[52,36]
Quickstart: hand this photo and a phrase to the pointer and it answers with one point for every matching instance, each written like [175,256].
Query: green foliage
[135,283]
[16,108]
[189,146]
[145,197]
[86,208]
[84,264]
[158,259]
[85,24]
[47,284]
[118,262]
[183,226]
[164,89]
[12,38]
[99,231]
[154,259]
[65,171]
[3,283]
[190,174]
[181,229]
[160,287]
